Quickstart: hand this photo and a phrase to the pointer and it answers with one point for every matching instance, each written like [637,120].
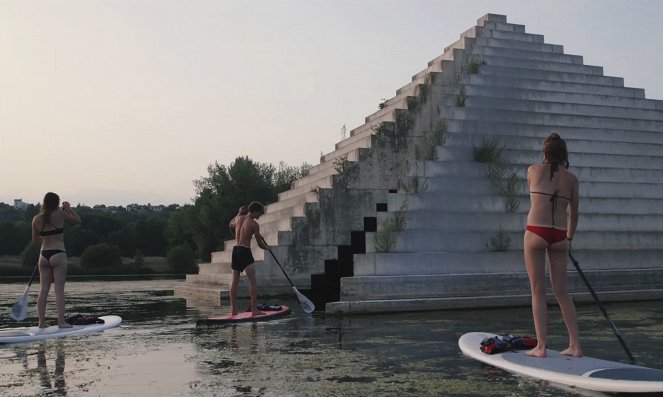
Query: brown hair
[554,151]
[50,204]
[256,206]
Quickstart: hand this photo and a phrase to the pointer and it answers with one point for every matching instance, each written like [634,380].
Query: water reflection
[56,380]
[49,369]
[160,351]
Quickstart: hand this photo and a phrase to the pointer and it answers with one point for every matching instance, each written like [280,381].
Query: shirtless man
[245,227]
[551,224]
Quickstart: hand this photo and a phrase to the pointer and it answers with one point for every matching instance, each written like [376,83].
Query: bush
[100,256]
[182,260]
[29,256]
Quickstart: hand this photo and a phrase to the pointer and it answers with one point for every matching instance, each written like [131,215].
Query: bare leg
[557,255]
[233,293]
[45,275]
[251,274]
[535,261]
[59,263]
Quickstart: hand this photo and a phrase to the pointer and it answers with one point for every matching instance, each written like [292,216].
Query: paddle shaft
[281,267]
[32,277]
[605,313]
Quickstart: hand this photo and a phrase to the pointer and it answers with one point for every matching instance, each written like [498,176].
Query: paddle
[307,305]
[605,313]
[20,310]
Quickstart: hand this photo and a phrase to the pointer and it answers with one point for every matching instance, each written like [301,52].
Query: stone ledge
[480,302]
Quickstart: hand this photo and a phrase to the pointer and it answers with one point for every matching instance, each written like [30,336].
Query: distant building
[19,204]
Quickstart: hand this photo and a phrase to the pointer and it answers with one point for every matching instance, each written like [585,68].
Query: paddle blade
[307,305]
[20,310]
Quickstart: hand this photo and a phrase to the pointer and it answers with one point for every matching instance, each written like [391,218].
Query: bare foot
[43,325]
[65,325]
[572,351]
[258,313]
[536,352]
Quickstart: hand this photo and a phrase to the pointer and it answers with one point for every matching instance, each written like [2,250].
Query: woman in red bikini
[551,224]
[48,232]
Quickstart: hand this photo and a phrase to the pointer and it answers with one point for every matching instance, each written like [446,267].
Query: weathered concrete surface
[459,238]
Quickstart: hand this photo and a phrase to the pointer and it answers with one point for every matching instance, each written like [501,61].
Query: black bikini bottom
[49,253]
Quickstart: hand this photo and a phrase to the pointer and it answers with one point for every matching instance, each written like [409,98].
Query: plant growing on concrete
[504,179]
[500,241]
[414,184]
[385,238]
[431,142]
[382,104]
[460,98]
[490,151]
[342,164]
[474,66]
[510,186]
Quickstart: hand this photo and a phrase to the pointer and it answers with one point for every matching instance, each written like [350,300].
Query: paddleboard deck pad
[271,312]
[581,372]
[29,334]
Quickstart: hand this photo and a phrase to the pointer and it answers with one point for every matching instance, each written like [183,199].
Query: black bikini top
[52,232]
[553,200]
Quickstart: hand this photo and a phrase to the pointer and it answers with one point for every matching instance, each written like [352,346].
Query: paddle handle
[605,313]
[32,277]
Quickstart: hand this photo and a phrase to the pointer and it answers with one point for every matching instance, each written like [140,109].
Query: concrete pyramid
[423,207]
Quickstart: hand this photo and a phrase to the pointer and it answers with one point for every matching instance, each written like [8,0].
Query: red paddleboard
[245,317]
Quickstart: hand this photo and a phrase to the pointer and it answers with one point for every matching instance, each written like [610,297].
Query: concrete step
[294,206]
[549,75]
[596,146]
[437,240]
[487,41]
[505,35]
[494,203]
[558,121]
[503,26]
[536,106]
[559,86]
[214,268]
[473,169]
[323,181]
[488,284]
[472,128]
[440,219]
[394,264]
[522,157]
[481,50]
[494,60]
[562,97]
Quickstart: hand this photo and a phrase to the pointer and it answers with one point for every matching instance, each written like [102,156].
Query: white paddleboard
[584,372]
[29,334]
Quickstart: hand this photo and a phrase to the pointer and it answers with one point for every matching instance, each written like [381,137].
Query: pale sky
[119,102]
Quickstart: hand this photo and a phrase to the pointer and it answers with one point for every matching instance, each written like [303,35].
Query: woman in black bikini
[551,224]
[47,231]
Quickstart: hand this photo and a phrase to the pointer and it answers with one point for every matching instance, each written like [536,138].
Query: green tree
[182,260]
[101,256]
[14,236]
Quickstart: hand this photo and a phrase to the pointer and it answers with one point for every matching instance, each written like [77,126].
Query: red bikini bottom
[551,235]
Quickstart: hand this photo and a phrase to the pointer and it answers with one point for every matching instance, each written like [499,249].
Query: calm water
[158,351]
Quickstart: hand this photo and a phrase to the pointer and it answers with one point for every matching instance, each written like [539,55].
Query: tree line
[182,233]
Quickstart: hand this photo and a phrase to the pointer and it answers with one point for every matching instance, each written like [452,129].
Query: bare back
[245,228]
[552,197]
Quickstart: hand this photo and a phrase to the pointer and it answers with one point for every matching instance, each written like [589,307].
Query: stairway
[459,245]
